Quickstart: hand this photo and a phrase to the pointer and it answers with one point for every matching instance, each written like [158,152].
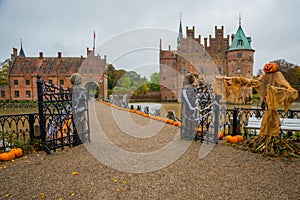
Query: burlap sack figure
[273,89]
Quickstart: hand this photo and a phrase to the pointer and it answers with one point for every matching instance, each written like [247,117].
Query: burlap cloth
[273,89]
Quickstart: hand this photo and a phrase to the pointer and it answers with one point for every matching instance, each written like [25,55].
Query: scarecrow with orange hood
[273,89]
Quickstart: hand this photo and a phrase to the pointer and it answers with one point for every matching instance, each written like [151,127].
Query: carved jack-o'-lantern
[271,68]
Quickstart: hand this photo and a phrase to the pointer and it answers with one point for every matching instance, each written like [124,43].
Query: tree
[154,84]
[289,71]
[4,75]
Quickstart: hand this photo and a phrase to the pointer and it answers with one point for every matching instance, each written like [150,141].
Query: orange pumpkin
[234,139]
[177,124]
[239,138]
[228,138]
[17,151]
[4,156]
[220,135]
[11,155]
[271,68]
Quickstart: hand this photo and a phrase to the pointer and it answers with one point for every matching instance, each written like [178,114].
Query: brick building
[215,56]
[55,70]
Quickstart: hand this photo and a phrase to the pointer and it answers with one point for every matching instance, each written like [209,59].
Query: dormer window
[240,42]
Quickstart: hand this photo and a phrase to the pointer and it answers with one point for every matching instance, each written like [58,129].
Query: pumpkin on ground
[234,139]
[228,138]
[239,138]
[220,135]
[4,156]
[11,155]
[177,124]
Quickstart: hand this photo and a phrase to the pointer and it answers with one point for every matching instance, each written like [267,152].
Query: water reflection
[176,107]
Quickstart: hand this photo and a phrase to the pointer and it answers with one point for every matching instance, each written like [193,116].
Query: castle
[215,57]
[23,71]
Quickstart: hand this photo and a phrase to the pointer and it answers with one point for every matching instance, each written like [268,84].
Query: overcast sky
[67,26]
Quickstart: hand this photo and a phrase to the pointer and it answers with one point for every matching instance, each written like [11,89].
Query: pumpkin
[234,139]
[220,135]
[228,138]
[240,138]
[177,124]
[271,68]
[4,156]
[11,155]
[17,151]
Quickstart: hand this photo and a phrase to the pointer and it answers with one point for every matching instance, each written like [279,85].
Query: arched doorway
[93,89]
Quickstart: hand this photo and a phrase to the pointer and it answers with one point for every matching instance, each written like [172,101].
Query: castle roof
[240,41]
[46,65]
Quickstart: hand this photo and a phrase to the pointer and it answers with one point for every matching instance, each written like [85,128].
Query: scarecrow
[274,90]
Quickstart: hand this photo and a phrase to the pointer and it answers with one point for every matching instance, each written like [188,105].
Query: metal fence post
[40,105]
[31,126]
[216,120]
[290,115]
[234,121]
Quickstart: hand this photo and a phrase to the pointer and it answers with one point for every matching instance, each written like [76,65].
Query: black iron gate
[61,123]
[200,114]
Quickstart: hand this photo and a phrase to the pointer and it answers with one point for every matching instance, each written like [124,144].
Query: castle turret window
[220,69]
[239,70]
[239,55]
[184,69]
[201,70]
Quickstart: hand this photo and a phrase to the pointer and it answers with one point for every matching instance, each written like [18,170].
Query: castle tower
[240,56]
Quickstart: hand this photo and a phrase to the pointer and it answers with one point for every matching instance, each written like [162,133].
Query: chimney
[59,55]
[205,43]
[41,54]
[15,52]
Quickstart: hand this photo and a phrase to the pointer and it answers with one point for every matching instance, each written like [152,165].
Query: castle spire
[21,53]
[180,35]
[240,20]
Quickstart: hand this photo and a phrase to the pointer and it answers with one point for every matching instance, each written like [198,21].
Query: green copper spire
[22,53]
[180,35]
[240,40]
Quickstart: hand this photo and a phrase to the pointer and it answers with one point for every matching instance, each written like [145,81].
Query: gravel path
[225,173]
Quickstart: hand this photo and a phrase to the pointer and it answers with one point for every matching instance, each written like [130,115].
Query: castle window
[27,70]
[239,70]
[61,82]
[16,82]
[27,82]
[173,64]
[50,81]
[44,70]
[220,69]
[201,70]
[61,70]
[184,69]
[28,94]
[17,94]
[240,42]
[3,94]
[239,55]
